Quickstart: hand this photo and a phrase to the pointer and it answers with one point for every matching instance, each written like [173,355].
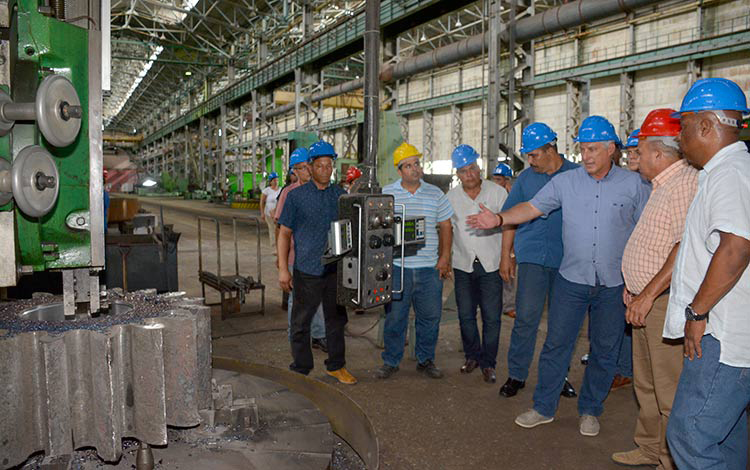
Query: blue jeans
[534,286]
[423,289]
[485,290]
[708,425]
[317,327]
[625,359]
[567,311]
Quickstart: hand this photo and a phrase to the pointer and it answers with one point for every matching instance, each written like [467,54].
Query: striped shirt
[428,201]
[660,226]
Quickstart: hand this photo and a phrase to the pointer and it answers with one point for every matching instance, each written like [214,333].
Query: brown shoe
[489,375]
[619,382]
[469,366]
[634,458]
[343,376]
[510,313]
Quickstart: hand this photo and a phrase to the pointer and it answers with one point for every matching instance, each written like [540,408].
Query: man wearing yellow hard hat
[423,272]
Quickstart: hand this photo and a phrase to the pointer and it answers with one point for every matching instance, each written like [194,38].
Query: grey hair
[668,144]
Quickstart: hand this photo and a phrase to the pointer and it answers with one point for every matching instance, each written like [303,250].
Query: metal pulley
[32,181]
[56,109]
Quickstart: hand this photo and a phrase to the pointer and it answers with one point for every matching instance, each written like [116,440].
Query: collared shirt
[598,217]
[468,243]
[277,214]
[660,226]
[308,213]
[538,241]
[721,204]
[428,201]
[272,196]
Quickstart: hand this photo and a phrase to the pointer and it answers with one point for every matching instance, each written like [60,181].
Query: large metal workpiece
[90,392]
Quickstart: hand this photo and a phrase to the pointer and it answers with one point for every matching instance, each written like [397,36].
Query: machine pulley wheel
[35,181]
[58,110]
[5,196]
[5,125]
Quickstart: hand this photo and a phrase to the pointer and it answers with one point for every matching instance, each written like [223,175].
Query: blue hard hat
[535,135]
[503,169]
[633,139]
[597,129]
[464,155]
[714,94]
[273,175]
[299,155]
[322,149]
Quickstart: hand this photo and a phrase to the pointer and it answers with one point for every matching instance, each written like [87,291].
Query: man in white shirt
[476,263]
[710,290]
[268,199]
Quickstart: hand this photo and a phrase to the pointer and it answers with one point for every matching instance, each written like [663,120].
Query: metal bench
[232,288]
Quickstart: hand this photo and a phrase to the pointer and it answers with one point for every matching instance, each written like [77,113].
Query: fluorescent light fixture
[424,37]
[458,23]
[188,73]
[137,81]
[149,182]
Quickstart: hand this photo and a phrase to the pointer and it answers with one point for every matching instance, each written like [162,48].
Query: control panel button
[388,239]
[375,242]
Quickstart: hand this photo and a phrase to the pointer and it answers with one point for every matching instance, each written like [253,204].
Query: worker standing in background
[647,269]
[307,214]
[710,290]
[476,260]
[537,247]
[268,199]
[503,176]
[630,150]
[601,204]
[299,166]
[423,272]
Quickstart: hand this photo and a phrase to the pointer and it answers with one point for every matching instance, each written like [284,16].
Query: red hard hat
[352,174]
[660,123]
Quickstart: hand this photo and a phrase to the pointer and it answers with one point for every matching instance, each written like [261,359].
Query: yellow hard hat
[403,152]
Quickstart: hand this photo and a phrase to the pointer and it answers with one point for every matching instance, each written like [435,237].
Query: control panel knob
[388,239]
[375,242]
[375,221]
[387,220]
[382,275]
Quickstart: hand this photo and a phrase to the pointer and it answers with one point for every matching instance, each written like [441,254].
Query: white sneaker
[532,419]
[589,425]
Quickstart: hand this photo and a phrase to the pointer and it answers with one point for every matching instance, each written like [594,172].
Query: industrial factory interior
[374,234]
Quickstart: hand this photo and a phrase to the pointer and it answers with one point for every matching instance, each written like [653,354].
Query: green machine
[51,195]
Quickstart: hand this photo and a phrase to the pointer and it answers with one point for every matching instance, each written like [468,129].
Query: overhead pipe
[550,21]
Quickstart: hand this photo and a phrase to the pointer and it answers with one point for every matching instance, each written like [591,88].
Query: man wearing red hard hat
[647,269]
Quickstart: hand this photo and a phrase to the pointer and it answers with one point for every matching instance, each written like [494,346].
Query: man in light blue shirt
[423,272]
[601,204]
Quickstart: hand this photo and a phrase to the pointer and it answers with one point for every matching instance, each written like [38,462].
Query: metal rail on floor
[234,287]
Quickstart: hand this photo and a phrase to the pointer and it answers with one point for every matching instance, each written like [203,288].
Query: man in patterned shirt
[647,268]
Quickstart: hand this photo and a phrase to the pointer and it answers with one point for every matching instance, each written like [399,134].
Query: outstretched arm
[516,215]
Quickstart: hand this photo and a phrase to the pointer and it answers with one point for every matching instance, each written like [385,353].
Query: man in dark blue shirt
[537,248]
[307,214]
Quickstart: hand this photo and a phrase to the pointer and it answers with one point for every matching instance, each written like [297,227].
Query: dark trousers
[484,290]
[309,292]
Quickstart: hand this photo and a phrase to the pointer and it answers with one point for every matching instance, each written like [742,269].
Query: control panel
[366,272]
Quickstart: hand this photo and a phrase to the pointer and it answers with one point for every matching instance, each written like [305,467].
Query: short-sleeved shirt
[272,196]
[430,202]
[721,204]
[538,241]
[598,217]
[277,214]
[661,225]
[308,213]
[468,243]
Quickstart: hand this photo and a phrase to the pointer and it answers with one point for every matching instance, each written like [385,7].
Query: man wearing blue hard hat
[268,200]
[307,215]
[710,289]
[502,175]
[536,246]
[476,260]
[631,147]
[601,204]
[298,165]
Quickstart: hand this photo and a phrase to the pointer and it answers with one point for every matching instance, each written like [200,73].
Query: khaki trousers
[657,364]
[271,224]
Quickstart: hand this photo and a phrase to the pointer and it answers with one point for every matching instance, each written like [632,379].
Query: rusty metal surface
[92,382]
[347,419]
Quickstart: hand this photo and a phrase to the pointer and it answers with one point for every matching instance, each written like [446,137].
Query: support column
[254,134]
[493,88]
[223,148]
[427,137]
[240,154]
[694,71]
[186,170]
[576,110]
[627,104]
[202,154]
[457,124]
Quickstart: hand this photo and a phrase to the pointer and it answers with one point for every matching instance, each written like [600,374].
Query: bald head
[705,133]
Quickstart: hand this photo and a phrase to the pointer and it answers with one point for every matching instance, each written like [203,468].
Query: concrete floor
[458,422]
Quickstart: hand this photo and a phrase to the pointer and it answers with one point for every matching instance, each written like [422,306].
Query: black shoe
[489,375]
[430,370]
[511,387]
[469,366]
[568,391]
[386,371]
[321,344]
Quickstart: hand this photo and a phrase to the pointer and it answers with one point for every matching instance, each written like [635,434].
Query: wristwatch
[690,314]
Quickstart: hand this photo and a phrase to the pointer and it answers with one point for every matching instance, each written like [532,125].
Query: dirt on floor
[458,422]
